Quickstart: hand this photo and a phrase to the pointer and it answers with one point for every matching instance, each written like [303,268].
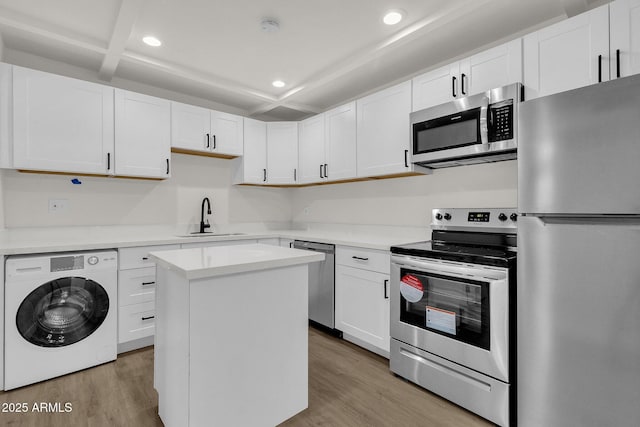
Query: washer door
[62,312]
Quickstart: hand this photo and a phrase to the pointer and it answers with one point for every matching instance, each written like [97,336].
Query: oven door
[454,310]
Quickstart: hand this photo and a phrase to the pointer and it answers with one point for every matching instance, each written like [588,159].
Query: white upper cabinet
[142,135]
[190,127]
[251,168]
[435,87]
[495,67]
[311,149]
[340,142]
[383,137]
[327,146]
[567,55]
[6,125]
[199,130]
[61,124]
[492,68]
[282,152]
[228,133]
[625,38]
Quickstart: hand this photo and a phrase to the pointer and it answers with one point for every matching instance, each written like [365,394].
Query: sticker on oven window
[441,320]
[411,288]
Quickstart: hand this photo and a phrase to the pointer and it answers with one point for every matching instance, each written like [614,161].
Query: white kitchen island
[231,346]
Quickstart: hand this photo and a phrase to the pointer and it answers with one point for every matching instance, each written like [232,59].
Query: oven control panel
[474,219]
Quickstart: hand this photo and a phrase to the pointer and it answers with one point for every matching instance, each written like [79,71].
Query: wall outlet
[307,210]
[58,205]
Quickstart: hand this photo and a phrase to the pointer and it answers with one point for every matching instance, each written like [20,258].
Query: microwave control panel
[501,121]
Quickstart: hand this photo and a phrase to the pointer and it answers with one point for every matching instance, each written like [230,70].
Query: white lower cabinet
[362,298]
[137,296]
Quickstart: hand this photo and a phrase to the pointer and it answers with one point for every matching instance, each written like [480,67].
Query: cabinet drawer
[136,286]
[136,321]
[139,256]
[367,259]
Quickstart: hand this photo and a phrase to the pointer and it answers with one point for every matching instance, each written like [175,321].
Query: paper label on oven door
[441,320]
[411,288]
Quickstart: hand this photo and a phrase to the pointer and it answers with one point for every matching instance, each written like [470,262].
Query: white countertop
[199,263]
[62,239]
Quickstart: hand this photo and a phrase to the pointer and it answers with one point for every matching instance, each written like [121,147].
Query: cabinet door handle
[295,175]
[145,258]
[208,141]
[291,244]
[321,172]
[108,161]
[360,258]
[326,171]
[618,63]
[168,170]
[453,86]
[406,158]
[214,141]
[463,76]
[264,179]
[148,317]
[148,283]
[599,68]
[384,285]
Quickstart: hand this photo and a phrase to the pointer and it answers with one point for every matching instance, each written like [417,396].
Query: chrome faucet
[204,226]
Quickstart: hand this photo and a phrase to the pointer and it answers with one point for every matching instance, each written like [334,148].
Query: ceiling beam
[22,23]
[194,76]
[127,17]
[574,7]
[341,68]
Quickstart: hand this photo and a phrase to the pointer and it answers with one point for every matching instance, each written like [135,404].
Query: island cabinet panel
[232,350]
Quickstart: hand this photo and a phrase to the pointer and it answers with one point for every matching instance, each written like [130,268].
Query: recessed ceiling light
[151,41]
[392,17]
[278,83]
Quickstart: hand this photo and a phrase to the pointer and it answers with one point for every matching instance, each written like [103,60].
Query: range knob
[513,216]
[502,216]
[447,216]
[438,216]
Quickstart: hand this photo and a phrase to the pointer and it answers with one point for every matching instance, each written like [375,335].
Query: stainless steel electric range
[453,310]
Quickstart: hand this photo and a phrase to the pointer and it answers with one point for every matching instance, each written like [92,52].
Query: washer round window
[62,312]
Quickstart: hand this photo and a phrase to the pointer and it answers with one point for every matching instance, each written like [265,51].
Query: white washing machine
[60,314]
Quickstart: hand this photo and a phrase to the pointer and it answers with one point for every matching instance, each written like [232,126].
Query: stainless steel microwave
[475,129]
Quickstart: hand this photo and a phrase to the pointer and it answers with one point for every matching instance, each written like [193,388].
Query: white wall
[116,201]
[408,201]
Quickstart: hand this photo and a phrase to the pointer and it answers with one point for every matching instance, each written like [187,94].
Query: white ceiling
[327,51]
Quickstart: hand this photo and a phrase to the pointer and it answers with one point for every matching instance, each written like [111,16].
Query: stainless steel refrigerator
[578,291]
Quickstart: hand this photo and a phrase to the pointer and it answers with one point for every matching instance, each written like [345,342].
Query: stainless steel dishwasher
[321,284]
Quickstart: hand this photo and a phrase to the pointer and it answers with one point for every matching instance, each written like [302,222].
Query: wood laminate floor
[348,386]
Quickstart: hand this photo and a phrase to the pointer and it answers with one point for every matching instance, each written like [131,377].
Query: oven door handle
[448,269]
[484,121]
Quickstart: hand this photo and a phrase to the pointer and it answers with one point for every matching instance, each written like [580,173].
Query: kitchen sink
[209,234]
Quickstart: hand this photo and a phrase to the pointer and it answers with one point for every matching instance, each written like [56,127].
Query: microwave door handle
[484,121]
